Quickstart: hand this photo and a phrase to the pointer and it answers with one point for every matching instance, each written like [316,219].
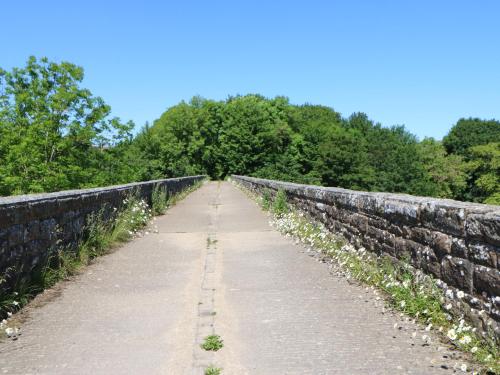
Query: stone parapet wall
[456,242]
[31,226]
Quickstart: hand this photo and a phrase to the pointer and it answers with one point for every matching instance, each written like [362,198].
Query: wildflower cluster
[407,289]
[11,332]
[135,215]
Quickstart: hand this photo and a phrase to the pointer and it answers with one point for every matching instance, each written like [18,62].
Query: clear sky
[421,63]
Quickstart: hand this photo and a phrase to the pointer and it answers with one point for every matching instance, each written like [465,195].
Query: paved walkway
[215,266]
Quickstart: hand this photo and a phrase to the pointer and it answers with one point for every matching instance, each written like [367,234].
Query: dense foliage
[55,135]
[271,138]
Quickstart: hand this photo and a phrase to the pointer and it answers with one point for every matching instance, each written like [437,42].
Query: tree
[470,132]
[485,161]
[53,133]
[446,174]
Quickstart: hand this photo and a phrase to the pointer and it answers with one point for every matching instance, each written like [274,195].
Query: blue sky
[422,63]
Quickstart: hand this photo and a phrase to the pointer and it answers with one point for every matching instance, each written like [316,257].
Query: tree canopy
[56,135]
[467,133]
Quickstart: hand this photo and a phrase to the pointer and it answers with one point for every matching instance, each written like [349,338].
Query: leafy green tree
[485,161]
[389,162]
[53,133]
[470,132]
[446,174]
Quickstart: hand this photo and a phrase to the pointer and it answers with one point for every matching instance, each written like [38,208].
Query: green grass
[212,370]
[159,200]
[280,205]
[212,343]
[266,200]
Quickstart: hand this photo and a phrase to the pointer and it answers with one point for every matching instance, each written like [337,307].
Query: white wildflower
[465,339]
[460,294]
[452,335]
[473,349]
[9,331]
[463,367]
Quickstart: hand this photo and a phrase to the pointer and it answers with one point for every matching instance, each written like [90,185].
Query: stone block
[400,211]
[441,243]
[487,280]
[398,230]
[32,230]
[372,203]
[459,247]
[430,262]
[17,235]
[484,254]
[457,272]
[484,227]
[420,235]
[5,217]
[444,215]
[416,251]
[359,221]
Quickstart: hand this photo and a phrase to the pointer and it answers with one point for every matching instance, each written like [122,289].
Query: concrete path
[215,266]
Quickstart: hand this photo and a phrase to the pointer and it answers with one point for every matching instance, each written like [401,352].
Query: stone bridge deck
[216,266]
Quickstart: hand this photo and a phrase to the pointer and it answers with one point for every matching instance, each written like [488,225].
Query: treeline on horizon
[55,135]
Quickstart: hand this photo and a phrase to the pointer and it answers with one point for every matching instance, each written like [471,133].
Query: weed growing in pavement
[212,343]
[406,289]
[212,370]
[211,241]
